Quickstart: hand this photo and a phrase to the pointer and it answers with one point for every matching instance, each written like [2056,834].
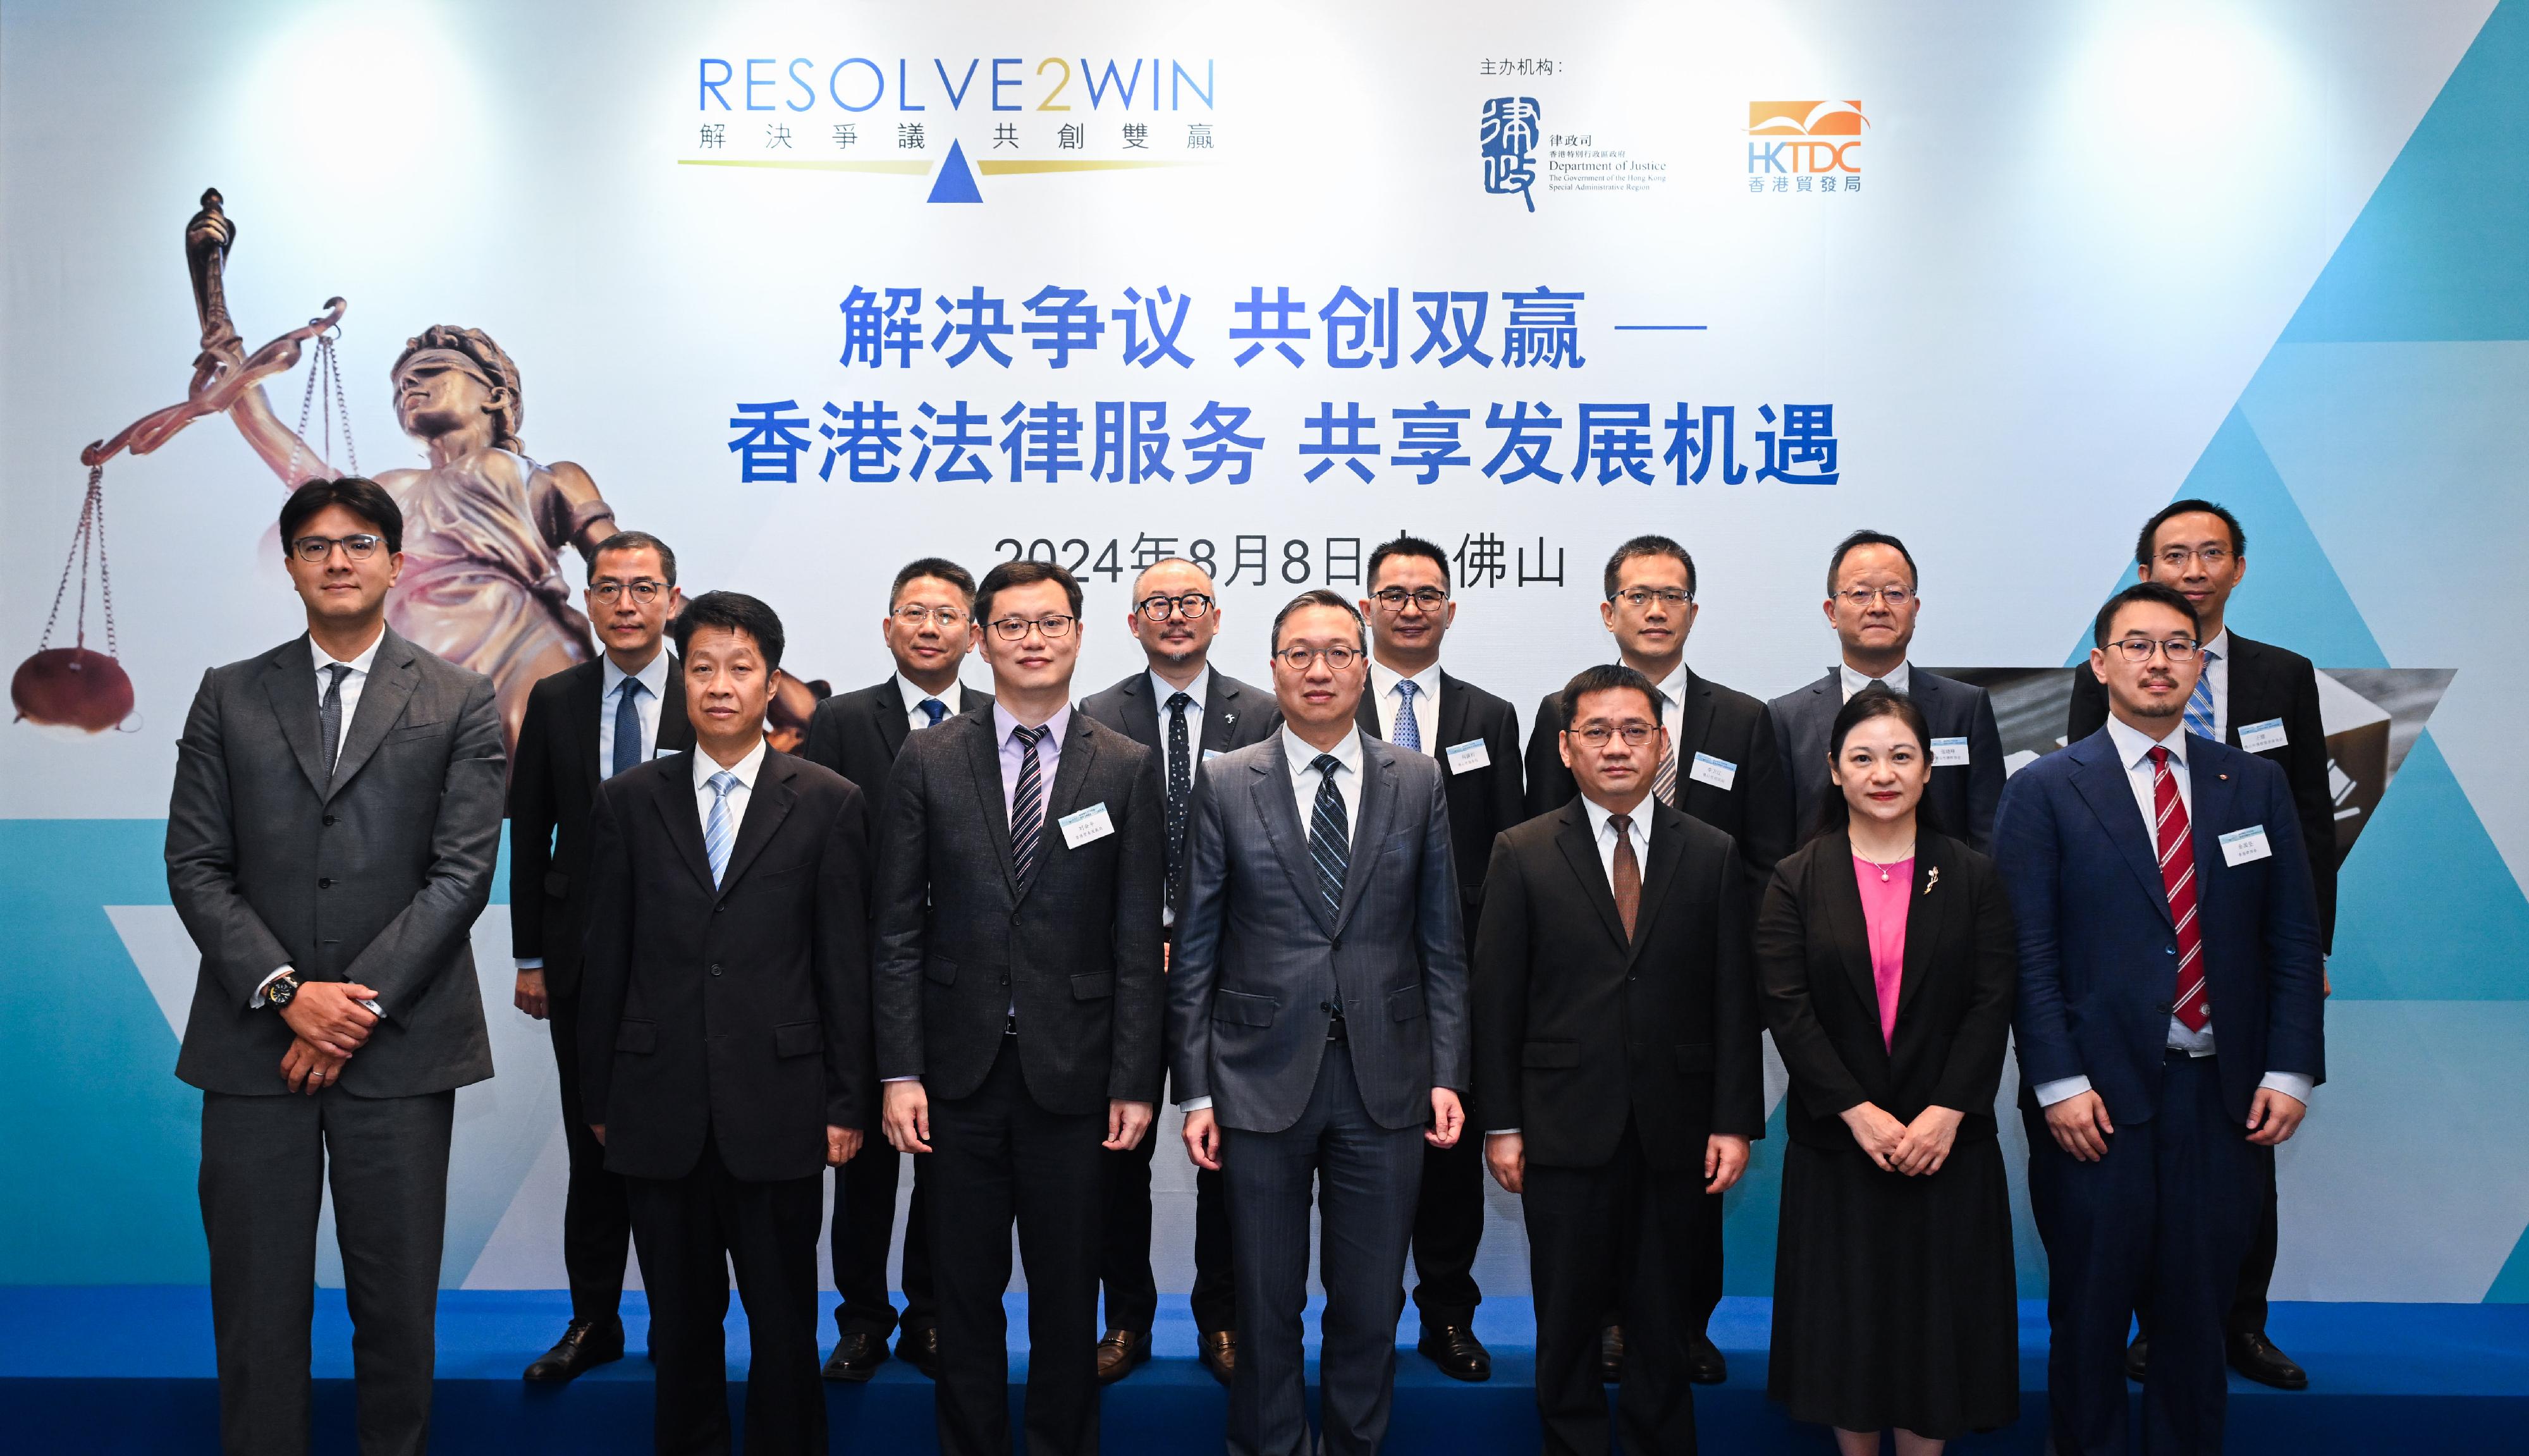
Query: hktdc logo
[1817,144]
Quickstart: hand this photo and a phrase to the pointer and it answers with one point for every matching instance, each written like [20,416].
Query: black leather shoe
[1611,1354]
[2137,1358]
[1456,1350]
[857,1357]
[920,1348]
[584,1346]
[1119,1352]
[2255,1356]
[1219,1351]
[1703,1363]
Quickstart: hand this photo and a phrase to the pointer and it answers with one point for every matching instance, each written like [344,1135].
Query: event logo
[1804,147]
[1507,136]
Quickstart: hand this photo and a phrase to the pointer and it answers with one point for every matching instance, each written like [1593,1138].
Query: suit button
[2169,950]
[721,906]
[329,820]
[715,968]
[324,885]
[1005,980]
[2163,1008]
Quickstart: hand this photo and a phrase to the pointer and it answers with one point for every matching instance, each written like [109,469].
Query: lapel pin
[1932,879]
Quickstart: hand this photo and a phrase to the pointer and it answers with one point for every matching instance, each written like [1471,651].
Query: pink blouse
[1883,912]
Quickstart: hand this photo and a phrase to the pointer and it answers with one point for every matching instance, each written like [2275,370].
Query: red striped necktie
[2194,1003]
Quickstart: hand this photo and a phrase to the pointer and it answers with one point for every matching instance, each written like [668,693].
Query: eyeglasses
[2213,558]
[2139,650]
[1667,596]
[1301,658]
[1054,627]
[916,615]
[358,548]
[1596,734]
[1860,598]
[644,591]
[1194,606]
[1394,598]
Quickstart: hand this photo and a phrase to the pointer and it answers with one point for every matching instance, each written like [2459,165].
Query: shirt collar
[653,676]
[1004,724]
[913,694]
[1384,678]
[1303,755]
[1899,676]
[745,769]
[1598,817]
[360,664]
[1199,691]
[2220,646]
[1673,688]
[2134,744]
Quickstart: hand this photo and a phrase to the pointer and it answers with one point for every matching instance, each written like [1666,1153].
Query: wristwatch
[282,988]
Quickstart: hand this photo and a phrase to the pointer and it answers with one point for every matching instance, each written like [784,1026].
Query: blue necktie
[628,726]
[2199,703]
[1409,733]
[1330,836]
[716,832]
[934,709]
[1027,804]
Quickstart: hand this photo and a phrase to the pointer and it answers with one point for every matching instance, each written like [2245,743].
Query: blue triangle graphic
[2293,595]
[2511,1285]
[956,180]
[2428,908]
[1752,1212]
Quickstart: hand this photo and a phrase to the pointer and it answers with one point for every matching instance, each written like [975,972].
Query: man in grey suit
[329,843]
[1318,1026]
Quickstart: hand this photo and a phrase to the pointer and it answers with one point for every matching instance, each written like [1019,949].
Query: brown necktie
[1628,876]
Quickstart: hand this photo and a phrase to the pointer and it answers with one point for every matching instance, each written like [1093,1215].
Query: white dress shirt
[352,681]
[1602,833]
[1199,691]
[1427,704]
[2133,751]
[1672,692]
[705,766]
[913,693]
[1899,676]
[653,678]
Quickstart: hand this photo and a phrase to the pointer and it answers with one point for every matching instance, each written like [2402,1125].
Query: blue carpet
[130,1369]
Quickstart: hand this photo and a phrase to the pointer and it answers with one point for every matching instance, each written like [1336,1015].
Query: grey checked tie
[716,833]
[628,726]
[329,715]
[1027,804]
[1409,731]
[1330,835]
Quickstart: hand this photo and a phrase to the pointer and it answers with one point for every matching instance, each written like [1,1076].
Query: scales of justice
[484,524]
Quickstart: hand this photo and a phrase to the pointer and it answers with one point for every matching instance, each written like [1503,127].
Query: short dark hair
[932,565]
[1023,574]
[1608,677]
[1321,597]
[358,494]
[2188,506]
[735,612]
[1878,700]
[1406,546]
[1849,544]
[1642,546]
[2142,591]
[636,541]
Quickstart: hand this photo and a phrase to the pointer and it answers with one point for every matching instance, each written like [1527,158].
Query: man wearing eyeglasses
[2263,699]
[1724,766]
[1186,711]
[1022,861]
[1473,737]
[1871,603]
[583,725]
[928,630]
[2167,1026]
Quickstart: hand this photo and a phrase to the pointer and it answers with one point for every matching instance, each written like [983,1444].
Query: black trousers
[596,1219]
[1124,1259]
[864,1225]
[997,1157]
[1448,1225]
[693,1231]
[1613,1237]
[266,1164]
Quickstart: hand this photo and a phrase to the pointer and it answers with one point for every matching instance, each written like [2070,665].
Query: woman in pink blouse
[1885,949]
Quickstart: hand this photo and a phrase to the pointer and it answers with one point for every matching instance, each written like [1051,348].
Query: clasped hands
[1912,1148]
[327,1025]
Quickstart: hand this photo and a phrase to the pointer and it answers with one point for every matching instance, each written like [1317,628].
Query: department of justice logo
[1508,138]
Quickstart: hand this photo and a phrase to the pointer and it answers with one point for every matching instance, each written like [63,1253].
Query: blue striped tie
[1329,840]
[2199,703]
[716,832]
[1027,804]
[1409,731]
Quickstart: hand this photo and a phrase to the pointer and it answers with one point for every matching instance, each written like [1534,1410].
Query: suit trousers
[2257,1270]
[596,1218]
[1612,1237]
[1367,1179]
[692,1232]
[1124,1263]
[2165,1214]
[997,1157]
[266,1164]
[864,1227]
[1448,1227]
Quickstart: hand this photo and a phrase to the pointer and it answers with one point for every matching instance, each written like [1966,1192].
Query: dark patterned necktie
[1627,876]
[329,715]
[1027,804]
[628,726]
[1330,835]
[1180,782]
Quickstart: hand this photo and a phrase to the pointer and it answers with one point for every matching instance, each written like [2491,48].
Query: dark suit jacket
[2098,957]
[1953,997]
[2267,682]
[1962,797]
[1732,727]
[373,877]
[1078,950]
[1577,1028]
[1235,715]
[858,735]
[552,784]
[1482,803]
[741,1011]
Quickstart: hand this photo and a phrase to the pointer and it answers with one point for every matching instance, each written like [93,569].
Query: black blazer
[858,735]
[1235,714]
[1755,809]
[1483,802]
[1078,950]
[1954,1001]
[2266,683]
[1962,797]
[553,784]
[1575,1027]
[739,1012]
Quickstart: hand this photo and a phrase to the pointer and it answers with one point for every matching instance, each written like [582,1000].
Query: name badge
[1467,757]
[2241,845]
[666,752]
[1720,773]
[1210,754]
[1949,753]
[1087,827]
[2257,738]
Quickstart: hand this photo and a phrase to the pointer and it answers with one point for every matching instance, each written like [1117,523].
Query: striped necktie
[2192,1002]
[1027,804]
[716,832]
[1329,834]
[2199,703]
